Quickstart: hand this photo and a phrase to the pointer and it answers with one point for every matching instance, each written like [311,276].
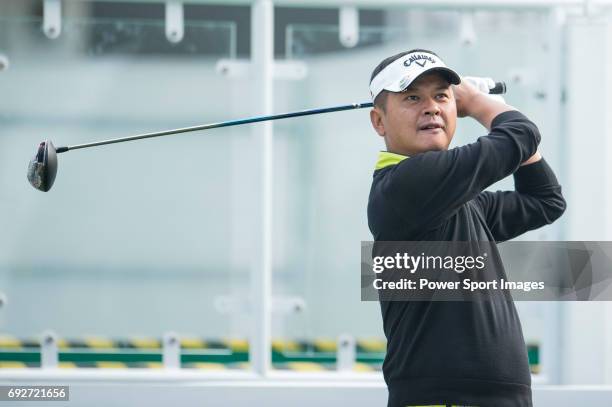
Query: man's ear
[377,122]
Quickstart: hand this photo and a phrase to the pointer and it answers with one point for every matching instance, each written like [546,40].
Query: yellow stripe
[145,343]
[362,367]
[285,346]
[67,365]
[9,342]
[326,345]
[386,159]
[192,343]
[154,365]
[111,365]
[373,345]
[305,366]
[237,345]
[12,365]
[62,344]
[99,343]
[209,366]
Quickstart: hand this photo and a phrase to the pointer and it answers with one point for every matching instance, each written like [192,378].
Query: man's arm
[483,109]
[536,201]
[428,187]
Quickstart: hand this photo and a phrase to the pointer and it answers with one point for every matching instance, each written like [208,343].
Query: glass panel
[135,239]
[325,163]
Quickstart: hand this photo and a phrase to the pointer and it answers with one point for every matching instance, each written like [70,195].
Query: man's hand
[465,93]
[473,103]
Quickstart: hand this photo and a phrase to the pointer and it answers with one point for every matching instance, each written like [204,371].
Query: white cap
[399,74]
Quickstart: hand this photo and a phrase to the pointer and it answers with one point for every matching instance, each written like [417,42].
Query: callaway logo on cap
[399,74]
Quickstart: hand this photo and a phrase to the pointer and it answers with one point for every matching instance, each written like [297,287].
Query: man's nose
[432,108]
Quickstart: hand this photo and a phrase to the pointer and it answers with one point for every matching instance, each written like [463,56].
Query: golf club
[42,169]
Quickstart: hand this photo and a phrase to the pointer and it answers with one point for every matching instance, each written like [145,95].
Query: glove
[483,85]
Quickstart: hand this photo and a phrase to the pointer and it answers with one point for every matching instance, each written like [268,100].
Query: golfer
[469,353]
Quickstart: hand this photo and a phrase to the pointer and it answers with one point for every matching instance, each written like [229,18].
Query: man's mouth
[431,126]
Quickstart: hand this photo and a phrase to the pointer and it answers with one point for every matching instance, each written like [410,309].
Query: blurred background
[243,243]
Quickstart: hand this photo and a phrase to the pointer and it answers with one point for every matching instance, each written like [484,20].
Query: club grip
[498,89]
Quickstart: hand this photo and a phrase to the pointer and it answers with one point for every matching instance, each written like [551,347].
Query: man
[453,353]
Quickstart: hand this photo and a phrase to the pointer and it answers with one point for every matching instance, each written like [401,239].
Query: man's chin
[437,145]
[433,147]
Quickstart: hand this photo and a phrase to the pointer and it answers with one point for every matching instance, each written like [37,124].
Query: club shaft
[500,87]
[218,125]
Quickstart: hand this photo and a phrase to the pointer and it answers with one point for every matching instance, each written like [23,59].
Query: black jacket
[467,353]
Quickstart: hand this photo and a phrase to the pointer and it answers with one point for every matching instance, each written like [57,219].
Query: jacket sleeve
[536,201]
[427,188]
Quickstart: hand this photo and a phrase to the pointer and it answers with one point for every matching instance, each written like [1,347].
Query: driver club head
[43,167]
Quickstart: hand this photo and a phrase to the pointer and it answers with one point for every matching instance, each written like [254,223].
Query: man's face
[421,118]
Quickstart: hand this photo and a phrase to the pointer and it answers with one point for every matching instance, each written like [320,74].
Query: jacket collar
[386,159]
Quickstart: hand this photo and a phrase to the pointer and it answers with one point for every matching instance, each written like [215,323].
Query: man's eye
[442,96]
[412,97]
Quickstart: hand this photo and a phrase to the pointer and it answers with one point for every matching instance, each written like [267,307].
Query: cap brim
[451,76]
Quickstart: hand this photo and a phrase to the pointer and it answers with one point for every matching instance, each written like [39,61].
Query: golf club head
[43,167]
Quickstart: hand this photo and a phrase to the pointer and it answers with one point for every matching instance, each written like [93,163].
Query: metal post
[551,342]
[52,18]
[49,357]
[346,353]
[171,351]
[262,55]
[175,28]
[348,26]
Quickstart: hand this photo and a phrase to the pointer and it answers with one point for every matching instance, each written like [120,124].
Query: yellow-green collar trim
[386,159]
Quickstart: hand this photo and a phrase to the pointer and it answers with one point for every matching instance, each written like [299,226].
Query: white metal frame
[512,4]
[242,389]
